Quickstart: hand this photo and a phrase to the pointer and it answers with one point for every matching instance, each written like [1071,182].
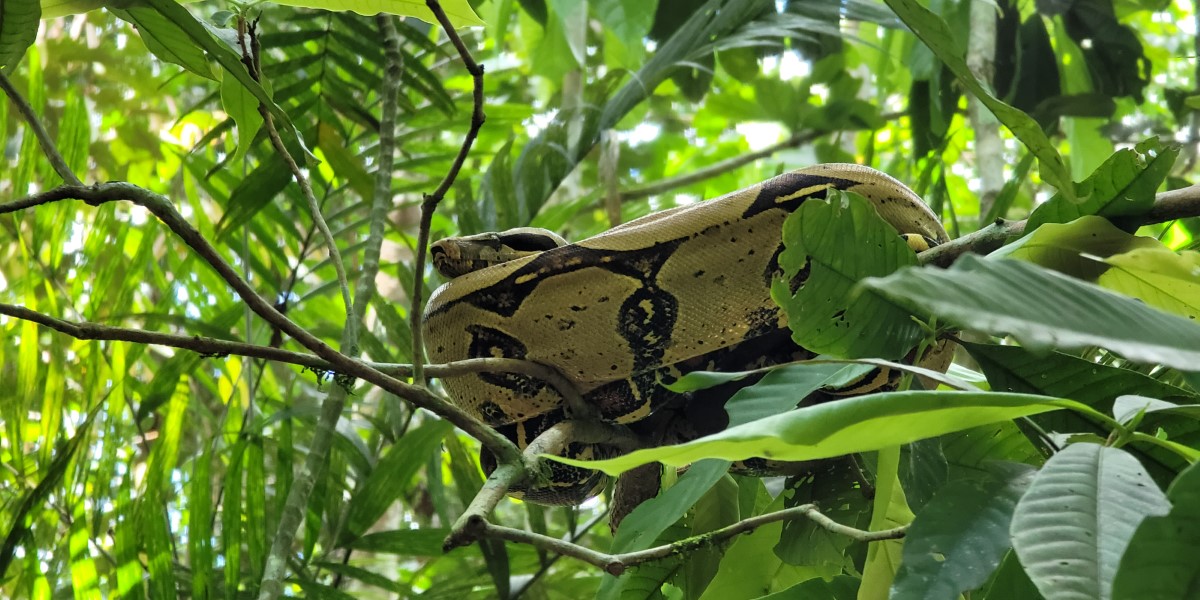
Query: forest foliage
[213,230]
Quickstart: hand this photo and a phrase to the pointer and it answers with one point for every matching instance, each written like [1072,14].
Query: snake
[672,292]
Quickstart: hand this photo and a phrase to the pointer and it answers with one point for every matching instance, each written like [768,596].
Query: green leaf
[1075,248]
[960,537]
[1043,310]
[458,11]
[1072,526]
[1159,277]
[889,510]
[784,388]
[243,109]
[404,542]
[934,32]
[1123,186]
[392,476]
[230,61]
[166,40]
[642,527]
[18,29]
[1160,562]
[842,427]
[838,242]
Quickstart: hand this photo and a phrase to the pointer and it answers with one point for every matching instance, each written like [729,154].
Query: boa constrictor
[675,291]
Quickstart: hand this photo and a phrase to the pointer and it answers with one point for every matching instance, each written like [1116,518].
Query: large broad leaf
[18,29]
[1158,277]
[838,242]
[1043,309]
[1122,187]
[934,32]
[458,11]
[1160,562]
[960,537]
[843,427]
[1075,248]
[1072,526]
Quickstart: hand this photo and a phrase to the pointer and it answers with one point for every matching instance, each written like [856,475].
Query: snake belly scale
[678,290]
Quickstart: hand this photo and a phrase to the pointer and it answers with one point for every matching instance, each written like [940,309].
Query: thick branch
[430,204]
[616,564]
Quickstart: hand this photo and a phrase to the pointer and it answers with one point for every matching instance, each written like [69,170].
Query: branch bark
[430,203]
[616,564]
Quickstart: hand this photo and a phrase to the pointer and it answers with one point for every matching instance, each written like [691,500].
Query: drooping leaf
[842,427]
[1072,526]
[934,32]
[1044,310]
[1160,561]
[392,476]
[18,29]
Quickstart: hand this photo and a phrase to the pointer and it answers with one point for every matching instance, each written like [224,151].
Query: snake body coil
[679,290]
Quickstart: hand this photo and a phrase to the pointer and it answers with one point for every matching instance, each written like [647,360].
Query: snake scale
[675,291]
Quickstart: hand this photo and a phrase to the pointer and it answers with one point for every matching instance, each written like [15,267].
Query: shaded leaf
[960,537]
[1043,310]
[1072,526]
[1160,562]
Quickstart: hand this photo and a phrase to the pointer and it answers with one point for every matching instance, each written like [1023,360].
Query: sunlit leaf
[842,427]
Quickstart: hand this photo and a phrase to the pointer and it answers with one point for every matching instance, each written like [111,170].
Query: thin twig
[213,347]
[616,564]
[161,207]
[43,137]
[729,164]
[431,201]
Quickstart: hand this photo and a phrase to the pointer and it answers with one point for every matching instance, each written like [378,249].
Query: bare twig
[729,164]
[616,564]
[431,201]
[43,137]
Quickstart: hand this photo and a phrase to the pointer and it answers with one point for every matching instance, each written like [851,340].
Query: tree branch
[729,164]
[431,201]
[162,208]
[1168,206]
[616,564]
[473,522]
[43,137]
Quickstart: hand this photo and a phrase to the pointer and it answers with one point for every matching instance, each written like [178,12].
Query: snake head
[457,256]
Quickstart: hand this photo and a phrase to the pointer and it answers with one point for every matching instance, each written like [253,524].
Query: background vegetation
[168,433]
